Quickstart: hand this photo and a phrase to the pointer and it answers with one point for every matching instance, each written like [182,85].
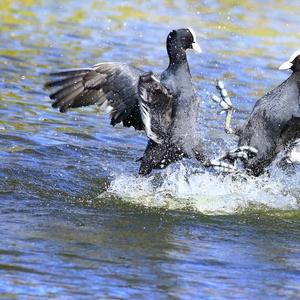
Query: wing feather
[156,105]
[113,85]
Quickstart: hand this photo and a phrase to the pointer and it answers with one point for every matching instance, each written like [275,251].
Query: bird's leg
[225,103]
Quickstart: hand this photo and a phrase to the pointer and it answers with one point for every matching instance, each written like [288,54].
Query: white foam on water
[178,188]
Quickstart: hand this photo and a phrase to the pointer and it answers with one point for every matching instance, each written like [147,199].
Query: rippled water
[77,222]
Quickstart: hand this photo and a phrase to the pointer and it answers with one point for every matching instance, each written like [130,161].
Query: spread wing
[112,85]
[156,104]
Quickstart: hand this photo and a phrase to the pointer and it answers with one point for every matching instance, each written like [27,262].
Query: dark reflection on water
[76,220]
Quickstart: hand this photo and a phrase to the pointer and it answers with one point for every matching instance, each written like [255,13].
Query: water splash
[180,188]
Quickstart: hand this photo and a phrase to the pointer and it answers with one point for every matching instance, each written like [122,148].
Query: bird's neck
[177,57]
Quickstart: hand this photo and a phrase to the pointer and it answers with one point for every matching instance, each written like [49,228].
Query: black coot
[167,109]
[274,123]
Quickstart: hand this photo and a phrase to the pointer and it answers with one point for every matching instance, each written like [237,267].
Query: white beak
[285,66]
[195,45]
[288,64]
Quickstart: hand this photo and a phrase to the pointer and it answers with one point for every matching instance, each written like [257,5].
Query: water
[77,222]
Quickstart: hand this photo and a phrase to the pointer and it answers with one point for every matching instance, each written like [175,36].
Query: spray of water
[182,188]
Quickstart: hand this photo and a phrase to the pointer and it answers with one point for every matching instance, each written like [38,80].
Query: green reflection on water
[27,46]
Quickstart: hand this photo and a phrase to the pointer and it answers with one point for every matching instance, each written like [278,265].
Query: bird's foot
[219,164]
[225,103]
[243,152]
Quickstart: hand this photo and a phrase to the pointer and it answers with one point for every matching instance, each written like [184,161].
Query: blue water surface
[77,222]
